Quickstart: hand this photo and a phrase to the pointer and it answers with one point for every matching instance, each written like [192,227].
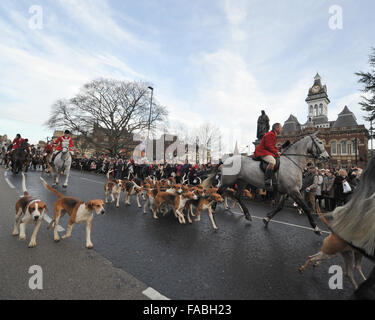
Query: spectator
[328,191]
[309,186]
[341,197]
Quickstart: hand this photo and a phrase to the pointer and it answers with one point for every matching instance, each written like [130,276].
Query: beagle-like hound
[113,187]
[28,210]
[78,211]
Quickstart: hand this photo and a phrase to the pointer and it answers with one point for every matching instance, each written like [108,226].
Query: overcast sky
[219,61]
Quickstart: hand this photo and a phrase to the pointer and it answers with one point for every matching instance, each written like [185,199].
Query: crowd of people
[122,167]
[327,188]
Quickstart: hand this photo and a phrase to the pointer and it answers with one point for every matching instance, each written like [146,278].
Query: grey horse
[62,163]
[243,170]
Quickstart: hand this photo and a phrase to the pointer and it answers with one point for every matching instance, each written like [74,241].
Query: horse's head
[316,148]
[64,150]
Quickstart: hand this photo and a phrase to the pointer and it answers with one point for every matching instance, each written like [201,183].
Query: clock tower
[317,101]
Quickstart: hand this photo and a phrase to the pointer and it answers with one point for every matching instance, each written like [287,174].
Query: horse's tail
[208,182]
[58,194]
[25,193]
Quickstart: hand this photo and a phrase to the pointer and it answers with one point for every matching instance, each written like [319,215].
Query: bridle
[311,155]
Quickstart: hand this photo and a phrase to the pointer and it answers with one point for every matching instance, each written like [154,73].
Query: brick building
[344,139]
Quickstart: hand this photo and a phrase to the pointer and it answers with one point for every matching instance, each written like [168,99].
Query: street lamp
[149,118]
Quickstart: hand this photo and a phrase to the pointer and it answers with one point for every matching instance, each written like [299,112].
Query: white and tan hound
[28,211]
[78,211]
[113,187]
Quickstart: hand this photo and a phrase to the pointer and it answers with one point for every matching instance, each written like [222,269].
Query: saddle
[263,164]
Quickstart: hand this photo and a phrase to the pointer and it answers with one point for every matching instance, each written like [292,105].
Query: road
[133,252]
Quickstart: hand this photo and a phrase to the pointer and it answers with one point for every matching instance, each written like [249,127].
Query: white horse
[62,163]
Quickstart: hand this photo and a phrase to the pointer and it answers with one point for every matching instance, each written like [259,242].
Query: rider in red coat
[66,140]
[17,142]
[48,148]
[267,151]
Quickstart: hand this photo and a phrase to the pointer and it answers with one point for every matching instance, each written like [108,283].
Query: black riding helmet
[67,132]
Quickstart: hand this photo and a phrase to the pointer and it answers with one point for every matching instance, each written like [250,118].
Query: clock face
[315,89]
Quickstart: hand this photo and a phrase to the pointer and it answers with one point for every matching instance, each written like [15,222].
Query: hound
[78,211]
[177,201]
[113,187]
[132,188]
[205,203]
[231,193]
[333,245]
[28,210]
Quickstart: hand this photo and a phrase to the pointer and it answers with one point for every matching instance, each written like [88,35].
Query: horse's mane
[294,143]
[355,221]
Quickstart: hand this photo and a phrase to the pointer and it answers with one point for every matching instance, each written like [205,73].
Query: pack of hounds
[160,198]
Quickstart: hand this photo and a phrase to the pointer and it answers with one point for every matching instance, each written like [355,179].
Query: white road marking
[10,184]
[154,295]
[281,222]
[48,220]
[92,180]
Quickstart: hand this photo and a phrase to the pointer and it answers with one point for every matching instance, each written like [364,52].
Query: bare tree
[106,113]
[208,137]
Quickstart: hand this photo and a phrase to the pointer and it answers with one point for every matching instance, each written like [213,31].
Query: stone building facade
[344,139]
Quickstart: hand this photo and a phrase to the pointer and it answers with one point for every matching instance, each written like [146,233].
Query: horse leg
[240,188]
[220,191]
[273,213]
[67,173]
[297,197]
[55,178]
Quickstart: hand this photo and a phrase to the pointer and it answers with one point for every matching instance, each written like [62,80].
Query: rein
[302,155]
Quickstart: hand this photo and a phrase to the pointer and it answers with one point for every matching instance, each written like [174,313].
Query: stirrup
[268,184]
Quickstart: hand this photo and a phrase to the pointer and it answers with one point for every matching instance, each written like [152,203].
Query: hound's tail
[109,171]
[25,193]
[58,194]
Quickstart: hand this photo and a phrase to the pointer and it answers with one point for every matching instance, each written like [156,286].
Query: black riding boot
[268,179]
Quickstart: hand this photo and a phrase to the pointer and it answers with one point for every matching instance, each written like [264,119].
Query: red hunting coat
[267,147]
[68,140]
[17,143]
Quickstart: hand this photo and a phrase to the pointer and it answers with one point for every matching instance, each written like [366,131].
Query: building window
[344,147]
[350,148]
[333,147]
[321,109]
[316,110]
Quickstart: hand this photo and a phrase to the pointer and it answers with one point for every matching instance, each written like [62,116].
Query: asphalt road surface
[133,252]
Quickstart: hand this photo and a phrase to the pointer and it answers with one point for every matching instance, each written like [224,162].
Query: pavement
[135,254]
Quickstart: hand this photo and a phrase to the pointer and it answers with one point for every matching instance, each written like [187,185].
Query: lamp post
[149,123]
[149,118]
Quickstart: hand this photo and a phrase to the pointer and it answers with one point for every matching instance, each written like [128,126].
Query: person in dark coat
[341,197]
